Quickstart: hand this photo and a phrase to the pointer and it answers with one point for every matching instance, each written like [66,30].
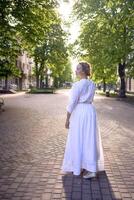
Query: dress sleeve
[93,91]
[73,98]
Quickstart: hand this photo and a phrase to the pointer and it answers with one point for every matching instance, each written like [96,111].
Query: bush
[42,91]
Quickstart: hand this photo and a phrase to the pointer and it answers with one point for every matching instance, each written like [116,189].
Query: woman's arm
[74,97]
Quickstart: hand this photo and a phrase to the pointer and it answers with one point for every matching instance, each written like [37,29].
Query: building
[129,84]
[25,65]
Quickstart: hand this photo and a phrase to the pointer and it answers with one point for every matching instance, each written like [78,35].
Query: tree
[34,26]
[9,50]
[52,53]
[23,25]
[107,33]
[67,74]
[6,70]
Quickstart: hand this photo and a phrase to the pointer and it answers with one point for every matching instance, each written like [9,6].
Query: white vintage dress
[84,147]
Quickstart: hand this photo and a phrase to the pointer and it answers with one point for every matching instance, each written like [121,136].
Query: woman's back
[87,90]
[81,92]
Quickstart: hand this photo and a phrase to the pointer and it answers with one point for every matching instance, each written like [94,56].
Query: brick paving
[32,142]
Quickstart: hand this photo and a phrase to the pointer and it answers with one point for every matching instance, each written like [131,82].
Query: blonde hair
[86,67]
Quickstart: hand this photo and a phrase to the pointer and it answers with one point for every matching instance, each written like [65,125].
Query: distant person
[84,147]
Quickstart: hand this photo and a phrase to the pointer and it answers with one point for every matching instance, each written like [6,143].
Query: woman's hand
[67,120]
[67,124]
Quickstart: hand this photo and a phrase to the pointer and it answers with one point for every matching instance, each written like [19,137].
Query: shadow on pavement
[75,187]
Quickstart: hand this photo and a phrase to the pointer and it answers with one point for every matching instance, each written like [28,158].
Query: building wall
[25,64]
[130,84]
[10,82]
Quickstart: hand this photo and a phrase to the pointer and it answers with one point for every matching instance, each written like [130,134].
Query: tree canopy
[107,35]
[34,26]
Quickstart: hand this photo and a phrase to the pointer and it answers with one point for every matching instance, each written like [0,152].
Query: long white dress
[83,147]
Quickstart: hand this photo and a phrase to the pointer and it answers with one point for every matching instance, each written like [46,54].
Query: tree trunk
[37,75]
[20,83]
[6,82]
[37,81]
[47,81]
[56,82]
[121,70]
[104,85]
[41,71]
[41,82]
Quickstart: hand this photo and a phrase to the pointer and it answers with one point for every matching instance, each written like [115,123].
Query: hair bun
[85,68]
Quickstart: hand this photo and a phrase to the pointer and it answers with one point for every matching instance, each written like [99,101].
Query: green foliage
[52,53]
[23,25]
[42,91]
[66,75]
[107,35]
[32,25]
[9,50]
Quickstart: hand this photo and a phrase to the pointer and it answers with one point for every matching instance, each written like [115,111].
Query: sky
[65,10]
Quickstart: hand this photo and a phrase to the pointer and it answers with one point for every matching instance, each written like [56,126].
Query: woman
[83,147]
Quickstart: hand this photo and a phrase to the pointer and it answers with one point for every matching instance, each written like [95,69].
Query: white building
[129,84]
[25,65]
